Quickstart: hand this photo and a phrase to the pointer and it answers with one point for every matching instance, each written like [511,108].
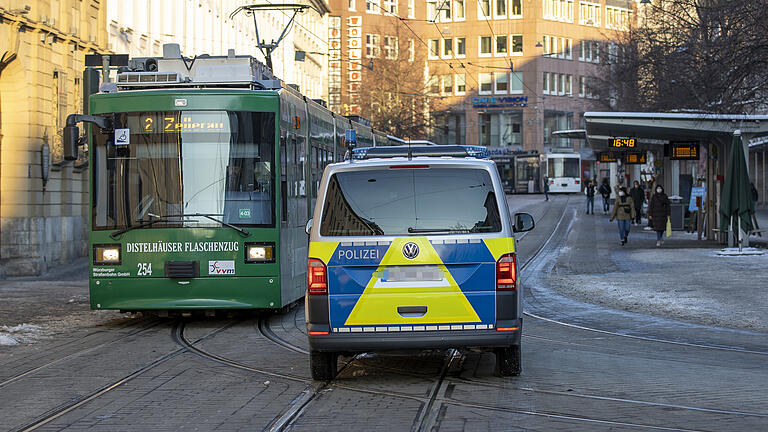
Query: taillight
[506,273]
[317,277]
[576,182]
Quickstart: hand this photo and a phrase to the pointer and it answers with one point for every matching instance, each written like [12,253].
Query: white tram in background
[563,172]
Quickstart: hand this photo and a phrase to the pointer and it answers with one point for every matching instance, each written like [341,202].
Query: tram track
[30,372]
[78,402]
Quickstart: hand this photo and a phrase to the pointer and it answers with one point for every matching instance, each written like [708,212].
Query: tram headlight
[106,254]
[259,252]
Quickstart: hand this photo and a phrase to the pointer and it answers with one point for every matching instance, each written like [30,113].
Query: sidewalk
[683,280]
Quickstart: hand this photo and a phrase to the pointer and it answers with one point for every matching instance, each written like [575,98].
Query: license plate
[411,273]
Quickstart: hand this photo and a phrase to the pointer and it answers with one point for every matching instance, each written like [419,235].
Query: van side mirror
[523,222]
[70,140]
[308,227]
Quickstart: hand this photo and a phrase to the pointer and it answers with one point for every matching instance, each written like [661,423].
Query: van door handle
[412,311]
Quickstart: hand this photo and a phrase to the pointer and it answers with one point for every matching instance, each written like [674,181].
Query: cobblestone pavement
[573,378]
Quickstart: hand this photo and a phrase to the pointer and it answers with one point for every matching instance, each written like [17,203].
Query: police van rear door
[417,250]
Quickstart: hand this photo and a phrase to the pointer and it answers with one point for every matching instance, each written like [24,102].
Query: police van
[413,248]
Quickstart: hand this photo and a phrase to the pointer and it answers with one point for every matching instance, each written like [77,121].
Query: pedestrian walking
[589,191]
[605,191]
[658,212]
[546,188]
[638,198]
[753,189]
[623,210]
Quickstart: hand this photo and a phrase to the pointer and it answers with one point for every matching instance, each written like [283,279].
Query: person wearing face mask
[638,198]
[658,212]
[623,210]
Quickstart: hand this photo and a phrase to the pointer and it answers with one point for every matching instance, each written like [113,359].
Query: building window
[560,84]
[517,44]
[582,86]
[568,85]
[501,45]
[432,10]
[500,9]
[552,45]
[485,46]
[617,18]
[545,88]
[459,10]
[484,9]
[502,82]
[486,83]
[515,8]
[433,84]
[351,5]
[553,84]
[461,46]
[447,84]
[516,82]
[558,10]
[391,6]
[501,129]
[434,48]
[449,129]
[461,84]
[589,14]
[411,50]
[372,6]
[569,48]
[555,121]
[371,45]
[411,8]
[447,48]
[390,47]
[445,7]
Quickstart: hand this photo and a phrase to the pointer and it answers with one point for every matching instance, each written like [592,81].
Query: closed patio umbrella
[736,202]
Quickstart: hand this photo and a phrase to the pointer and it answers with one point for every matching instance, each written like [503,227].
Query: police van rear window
[406,202]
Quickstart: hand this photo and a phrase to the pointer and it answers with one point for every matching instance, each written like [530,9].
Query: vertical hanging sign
[355,55]
[334,63]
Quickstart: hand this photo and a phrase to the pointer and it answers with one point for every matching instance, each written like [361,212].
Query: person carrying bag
[623,210]
[659,215]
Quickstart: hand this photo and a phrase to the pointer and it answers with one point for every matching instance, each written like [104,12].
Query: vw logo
[410,250]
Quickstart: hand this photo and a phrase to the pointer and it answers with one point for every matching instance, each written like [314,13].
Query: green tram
[202,178]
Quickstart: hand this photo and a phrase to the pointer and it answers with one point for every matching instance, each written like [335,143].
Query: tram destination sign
[621,143]
[684,150]
[627,158]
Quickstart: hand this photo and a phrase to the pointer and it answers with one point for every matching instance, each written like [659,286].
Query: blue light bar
[457,151]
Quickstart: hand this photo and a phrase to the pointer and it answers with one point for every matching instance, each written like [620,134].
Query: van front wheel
[508,361]
[323,365]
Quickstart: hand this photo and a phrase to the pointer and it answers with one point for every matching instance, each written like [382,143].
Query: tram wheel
[508,361]
[323,365]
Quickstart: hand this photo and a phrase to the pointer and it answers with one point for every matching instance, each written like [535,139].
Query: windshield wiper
[116,234]
[413,230]
[242,231]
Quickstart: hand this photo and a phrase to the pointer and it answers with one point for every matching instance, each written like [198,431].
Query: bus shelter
[680,151]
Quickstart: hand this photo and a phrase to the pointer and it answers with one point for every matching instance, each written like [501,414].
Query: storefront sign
[499,102]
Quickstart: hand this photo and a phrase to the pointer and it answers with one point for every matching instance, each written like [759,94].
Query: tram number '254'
[144,269]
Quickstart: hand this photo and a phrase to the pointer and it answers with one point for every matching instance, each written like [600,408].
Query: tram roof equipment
[456,151]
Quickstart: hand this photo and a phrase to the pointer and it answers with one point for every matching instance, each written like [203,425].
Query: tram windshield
[160,165]
[559,167]
[397,202]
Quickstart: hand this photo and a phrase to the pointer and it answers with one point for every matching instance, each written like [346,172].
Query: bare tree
[697,55]
[394,94]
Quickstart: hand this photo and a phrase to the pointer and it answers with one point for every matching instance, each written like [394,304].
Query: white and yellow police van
[413,248]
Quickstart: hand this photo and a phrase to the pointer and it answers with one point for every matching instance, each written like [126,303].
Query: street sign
[622,142]
[684,150]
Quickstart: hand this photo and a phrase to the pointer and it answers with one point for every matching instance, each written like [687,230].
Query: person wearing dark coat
[589,191]
[623,209]
[753,190]
[605,191]
[658,212]
[638,198]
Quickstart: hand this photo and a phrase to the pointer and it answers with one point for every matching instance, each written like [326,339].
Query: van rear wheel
[508,361]
[323,365]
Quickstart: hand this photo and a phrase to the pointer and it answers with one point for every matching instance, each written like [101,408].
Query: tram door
[527,174]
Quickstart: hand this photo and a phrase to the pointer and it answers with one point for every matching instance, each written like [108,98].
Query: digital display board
[606,157]
[634,158]
[684,150]
[160,122]
[622,142]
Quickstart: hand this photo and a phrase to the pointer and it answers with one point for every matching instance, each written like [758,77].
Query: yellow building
[43,201]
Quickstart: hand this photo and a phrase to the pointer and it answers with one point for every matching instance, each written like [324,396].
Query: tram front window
[161,165]
[563,167]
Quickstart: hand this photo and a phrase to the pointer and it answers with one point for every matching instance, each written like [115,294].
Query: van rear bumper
[363,342]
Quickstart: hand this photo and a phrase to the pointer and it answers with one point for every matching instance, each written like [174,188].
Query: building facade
[501,73]
[141,27]
[43,201]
